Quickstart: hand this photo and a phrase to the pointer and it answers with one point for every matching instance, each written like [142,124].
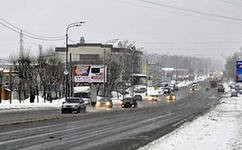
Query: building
[98,53]
[85,53]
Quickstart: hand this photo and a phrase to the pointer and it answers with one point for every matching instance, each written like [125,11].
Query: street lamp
[76,24]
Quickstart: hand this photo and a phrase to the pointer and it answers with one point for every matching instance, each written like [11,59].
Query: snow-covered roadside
[220,129]
[186,83]
[26,105]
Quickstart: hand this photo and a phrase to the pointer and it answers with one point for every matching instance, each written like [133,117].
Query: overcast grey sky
[158,29]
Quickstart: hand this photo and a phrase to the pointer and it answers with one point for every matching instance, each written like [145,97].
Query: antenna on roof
[82,40]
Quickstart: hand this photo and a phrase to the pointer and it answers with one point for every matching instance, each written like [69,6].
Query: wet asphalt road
[101,129]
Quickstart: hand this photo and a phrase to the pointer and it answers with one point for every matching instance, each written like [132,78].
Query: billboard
[238,71]
[90,73]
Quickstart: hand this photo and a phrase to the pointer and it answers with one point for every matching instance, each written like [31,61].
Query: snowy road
[117,129]
[220,129]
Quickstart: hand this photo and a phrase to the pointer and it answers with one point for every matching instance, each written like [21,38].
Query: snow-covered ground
[220,129]
[44,104]
[26,105]
[186,83]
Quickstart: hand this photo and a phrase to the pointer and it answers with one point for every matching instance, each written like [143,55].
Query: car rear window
[73,100]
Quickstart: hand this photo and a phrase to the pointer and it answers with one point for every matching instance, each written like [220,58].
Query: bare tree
[114,71]
[50,69]
[24,83]
[230,66]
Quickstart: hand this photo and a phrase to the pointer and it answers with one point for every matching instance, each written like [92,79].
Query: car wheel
[78,110]
[83,109]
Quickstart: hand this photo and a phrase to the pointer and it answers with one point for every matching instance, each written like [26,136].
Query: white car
[73,104]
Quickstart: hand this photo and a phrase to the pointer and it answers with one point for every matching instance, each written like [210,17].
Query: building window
[89,57]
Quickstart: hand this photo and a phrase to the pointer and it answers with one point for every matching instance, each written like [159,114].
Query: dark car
[129,102]
[138,98]
[237,88]
[234,94]
[104,103]
[171,98]
[194,87]
[220,88]
[167,90]
[73,104]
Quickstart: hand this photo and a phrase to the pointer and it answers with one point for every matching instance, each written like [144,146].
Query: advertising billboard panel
[90,73]
[238,71]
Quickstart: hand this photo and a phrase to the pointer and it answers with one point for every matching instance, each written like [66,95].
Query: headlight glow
[108,103]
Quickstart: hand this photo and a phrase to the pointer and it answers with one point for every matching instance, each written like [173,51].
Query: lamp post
[146,71]
[75,24]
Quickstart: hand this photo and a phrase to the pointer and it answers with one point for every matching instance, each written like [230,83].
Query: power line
[174,12]
[192,11]
[18,28]
[231,2]
[28,34]
[206,42]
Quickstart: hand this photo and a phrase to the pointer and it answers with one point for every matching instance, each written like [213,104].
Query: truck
[87,93]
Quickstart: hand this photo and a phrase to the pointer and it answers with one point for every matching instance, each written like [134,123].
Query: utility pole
[147,63]
[40,50]
[21,42]
[71,75]
[132,64]
[10,83]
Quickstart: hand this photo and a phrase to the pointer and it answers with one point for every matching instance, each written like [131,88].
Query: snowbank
[25,104]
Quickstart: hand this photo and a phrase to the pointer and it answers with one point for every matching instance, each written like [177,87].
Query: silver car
[234,94]
[73,104]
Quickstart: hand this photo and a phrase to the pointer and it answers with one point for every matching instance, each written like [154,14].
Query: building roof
[60,49]
[63,49]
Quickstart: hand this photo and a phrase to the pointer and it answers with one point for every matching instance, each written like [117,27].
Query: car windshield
[72,100]
[103,100]
[128,99]
[154,95]
[82,95]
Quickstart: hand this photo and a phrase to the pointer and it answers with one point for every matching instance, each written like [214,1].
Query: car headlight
[173,97]
[108,103]
[167,97]
[98,103]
